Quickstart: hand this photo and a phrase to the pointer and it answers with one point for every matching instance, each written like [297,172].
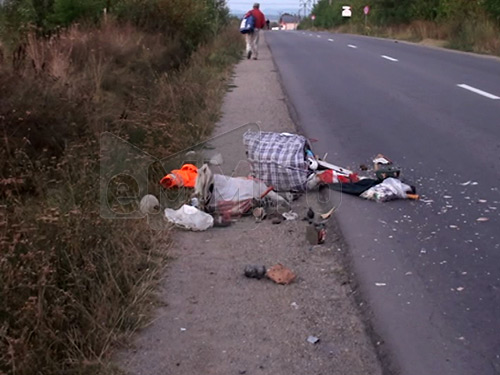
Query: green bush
[397,12]
[465,24]
[493,8]
[305,23]
[16,16]
[425,10]
[192,22]
[68,11]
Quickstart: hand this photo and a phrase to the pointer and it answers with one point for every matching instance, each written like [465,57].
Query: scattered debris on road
[280,274]
[189,217]
[316,235]
[277,273]
[290,215]
[283,166]
[313,339]
[255,272]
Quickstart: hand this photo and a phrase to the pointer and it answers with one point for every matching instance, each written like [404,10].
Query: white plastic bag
[189,217]
[237,188]
[149,205]
[389,189]
[242,191]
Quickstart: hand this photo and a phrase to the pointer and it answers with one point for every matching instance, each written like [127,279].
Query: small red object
[321,235]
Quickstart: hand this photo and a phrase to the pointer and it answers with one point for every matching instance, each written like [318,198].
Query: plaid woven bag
[278,159]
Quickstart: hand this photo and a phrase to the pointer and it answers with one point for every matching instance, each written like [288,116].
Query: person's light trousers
[252,40]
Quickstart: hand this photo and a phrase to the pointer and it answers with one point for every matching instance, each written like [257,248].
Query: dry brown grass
[429,30]
[73,283]
[479,35]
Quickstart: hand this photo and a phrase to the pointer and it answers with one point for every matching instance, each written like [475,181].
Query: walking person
[252,38]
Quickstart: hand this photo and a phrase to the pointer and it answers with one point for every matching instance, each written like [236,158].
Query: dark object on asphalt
[355,188]
[384,167]
[280,274]
[363,167]
[316,218]
[316,234]
[255,272]
[276,220]
[386,171]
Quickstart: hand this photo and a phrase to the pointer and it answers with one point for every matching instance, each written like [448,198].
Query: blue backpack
[247,25]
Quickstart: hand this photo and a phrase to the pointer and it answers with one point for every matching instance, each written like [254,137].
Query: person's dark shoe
[255,58]
[249,54]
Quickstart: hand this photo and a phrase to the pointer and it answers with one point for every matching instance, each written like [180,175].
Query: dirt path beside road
[216,321]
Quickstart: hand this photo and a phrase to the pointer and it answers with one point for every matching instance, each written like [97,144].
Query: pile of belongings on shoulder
[286,162]
[281,163]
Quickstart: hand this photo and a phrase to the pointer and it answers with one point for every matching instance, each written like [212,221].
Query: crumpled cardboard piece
[280,274]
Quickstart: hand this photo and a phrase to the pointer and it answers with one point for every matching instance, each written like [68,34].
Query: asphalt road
[429,270]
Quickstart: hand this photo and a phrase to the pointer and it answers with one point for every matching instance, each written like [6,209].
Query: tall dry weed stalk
[37,53]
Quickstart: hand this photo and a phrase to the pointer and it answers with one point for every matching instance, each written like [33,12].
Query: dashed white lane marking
[477,91]
[389,58]
[319,36]
[310,35]
[330,40]
[351,46]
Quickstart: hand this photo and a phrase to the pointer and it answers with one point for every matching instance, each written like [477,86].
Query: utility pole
[303,3]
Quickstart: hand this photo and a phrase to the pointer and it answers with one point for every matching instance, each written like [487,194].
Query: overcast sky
[270,6]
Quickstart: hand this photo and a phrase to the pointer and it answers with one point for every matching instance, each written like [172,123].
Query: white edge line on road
[330,40]
[389,58]
[351,46]
[477,91]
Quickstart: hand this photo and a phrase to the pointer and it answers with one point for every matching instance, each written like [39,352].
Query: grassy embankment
[459,24]
[74,283]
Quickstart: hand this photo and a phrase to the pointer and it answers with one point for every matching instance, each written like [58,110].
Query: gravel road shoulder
[213,320]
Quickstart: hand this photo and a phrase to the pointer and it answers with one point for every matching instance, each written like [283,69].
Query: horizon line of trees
[196,21]
[396,12]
